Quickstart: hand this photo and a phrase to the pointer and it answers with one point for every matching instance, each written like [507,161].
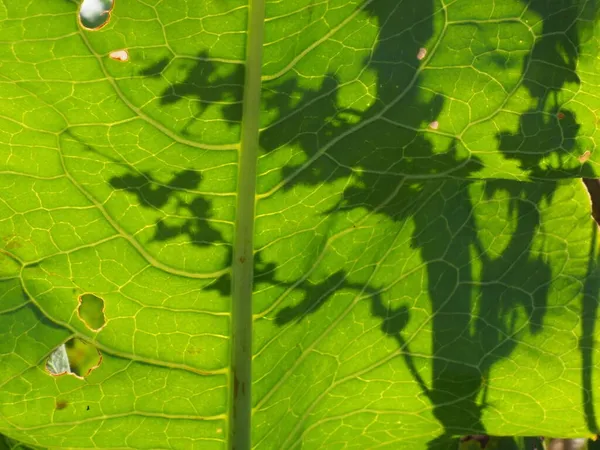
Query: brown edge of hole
[108,12]
[593,188]
[79,300]
[95,366]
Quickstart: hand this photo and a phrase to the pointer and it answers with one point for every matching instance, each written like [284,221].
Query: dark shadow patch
[474,325]
[193,211]
[206,82]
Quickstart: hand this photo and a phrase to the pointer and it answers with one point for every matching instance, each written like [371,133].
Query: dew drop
[95,14]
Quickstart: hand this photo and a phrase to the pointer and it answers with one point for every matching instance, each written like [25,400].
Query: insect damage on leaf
[91,311]
[58,361]
[119,55]
[75,357]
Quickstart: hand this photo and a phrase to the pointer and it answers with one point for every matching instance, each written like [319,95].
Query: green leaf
[298,224]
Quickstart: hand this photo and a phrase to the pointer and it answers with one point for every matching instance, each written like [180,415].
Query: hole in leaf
[91,311]
[94,14]
[75,357]
[593,188]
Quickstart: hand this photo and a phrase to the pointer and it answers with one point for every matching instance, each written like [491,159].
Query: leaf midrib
[243,251]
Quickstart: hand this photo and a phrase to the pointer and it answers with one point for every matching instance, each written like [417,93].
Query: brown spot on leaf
[61,404]
[583,158]
[236,386]
[13,245]
[242,259]
[560,115]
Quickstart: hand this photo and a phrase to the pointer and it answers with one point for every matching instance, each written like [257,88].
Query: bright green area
[424,262]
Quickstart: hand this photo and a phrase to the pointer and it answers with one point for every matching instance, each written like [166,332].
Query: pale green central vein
[242,273]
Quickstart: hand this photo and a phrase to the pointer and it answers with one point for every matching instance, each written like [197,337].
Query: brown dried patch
[586,155]
[61,404]
[560,115]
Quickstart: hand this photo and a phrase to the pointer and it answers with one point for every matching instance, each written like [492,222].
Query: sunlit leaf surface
[424,260]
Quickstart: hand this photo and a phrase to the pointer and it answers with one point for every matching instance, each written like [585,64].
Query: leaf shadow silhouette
[192,215]
[201,82]
[475,324]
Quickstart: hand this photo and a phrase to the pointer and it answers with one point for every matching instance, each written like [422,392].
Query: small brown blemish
[242,259]
[560,115]
[583,158]
[119,55]
[13,245]
[61,404]
[422,53]
[236,385]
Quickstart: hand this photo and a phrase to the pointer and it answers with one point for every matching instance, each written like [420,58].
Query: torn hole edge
[61,374]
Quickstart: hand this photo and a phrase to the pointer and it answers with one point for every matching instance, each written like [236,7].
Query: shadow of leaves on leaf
[201,82]
[474,321]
